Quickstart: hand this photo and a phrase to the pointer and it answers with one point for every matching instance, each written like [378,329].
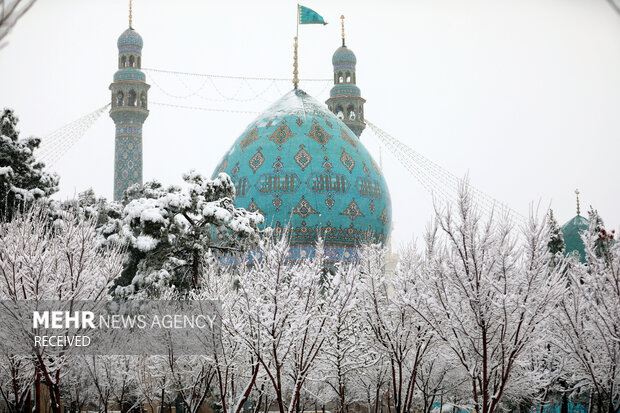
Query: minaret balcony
[128,114]
[129,73]
[345,89]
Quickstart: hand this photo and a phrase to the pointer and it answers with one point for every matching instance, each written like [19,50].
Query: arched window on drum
[339,112]
[351,112]
[119,98]
[131,98]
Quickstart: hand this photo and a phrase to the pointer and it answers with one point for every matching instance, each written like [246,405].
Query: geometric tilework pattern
[300,176]
[127,164]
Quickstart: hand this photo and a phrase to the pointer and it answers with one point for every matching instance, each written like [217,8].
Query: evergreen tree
[604,239]
[90,206]
[169,230]
[556,240]
[22,178]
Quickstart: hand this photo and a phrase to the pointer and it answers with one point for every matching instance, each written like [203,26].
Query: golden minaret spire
[342,19]
[130,1]
[295,61]
[578,209]
[295,71]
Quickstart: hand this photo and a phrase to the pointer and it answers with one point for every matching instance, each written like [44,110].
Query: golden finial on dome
[342,20]
[130,1]
[295,71]
[578,209]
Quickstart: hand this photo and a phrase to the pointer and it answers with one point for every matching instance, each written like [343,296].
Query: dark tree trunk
[564,408]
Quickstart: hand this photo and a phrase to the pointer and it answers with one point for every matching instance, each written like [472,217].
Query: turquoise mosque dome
[130,38]
[305,170]
[571,232]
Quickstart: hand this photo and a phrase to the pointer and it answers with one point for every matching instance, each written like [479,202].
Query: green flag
[309,16]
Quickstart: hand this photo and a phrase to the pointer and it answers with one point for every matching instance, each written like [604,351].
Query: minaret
[345,99]
[129,110]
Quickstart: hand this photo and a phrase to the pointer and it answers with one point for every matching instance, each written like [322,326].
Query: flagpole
[297,34]
[295,63]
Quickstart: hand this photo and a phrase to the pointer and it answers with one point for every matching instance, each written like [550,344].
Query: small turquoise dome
[571,231]
[130,37]
[303,168]
[344,55]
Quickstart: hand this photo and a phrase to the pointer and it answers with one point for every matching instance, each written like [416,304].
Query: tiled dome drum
[302,167]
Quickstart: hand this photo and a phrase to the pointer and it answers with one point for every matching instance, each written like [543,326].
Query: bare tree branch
[614,6]
[10,12]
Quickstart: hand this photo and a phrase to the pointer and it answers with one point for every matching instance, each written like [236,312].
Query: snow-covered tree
[440,381]
[556,239]
[107,215]
[111,380]
[230,369]
[169,230]
[489,295]
[347,353]
[400,333]
[589,322]
[192,379]
[22,177]
[63,261]
[17,376]
[604,239]
[189,379]
[152,381]
[77,389]
[288,310]
[373,381]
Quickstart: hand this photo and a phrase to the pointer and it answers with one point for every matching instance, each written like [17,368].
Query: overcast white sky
[524,95]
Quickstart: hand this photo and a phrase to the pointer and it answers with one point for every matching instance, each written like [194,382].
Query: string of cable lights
[233,77]
[215,83]
[439,182]
[56,144]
